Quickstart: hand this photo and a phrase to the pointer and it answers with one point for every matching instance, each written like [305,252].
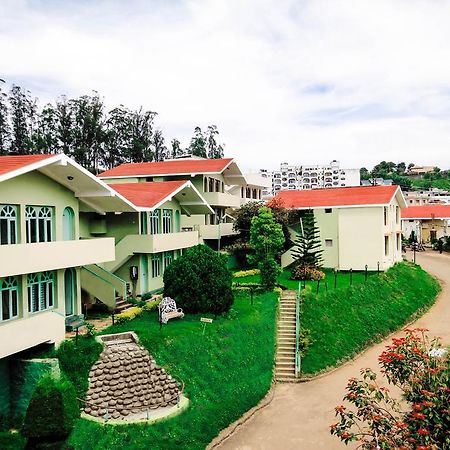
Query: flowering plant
[420,368]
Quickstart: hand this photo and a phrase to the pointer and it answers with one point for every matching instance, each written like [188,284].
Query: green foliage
[90,329]
[76,361]
[199,281]
[52,411]
[269,270]
[12,441]
[304,341]
[307,251]
[226,372]
[307,273]
[243,218]
[344,321]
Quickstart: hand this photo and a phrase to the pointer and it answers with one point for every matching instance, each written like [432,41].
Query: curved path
[300,414]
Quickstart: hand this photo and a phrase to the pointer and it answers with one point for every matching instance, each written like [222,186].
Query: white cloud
[284,80]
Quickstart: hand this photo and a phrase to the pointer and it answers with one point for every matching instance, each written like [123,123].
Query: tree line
[85,130]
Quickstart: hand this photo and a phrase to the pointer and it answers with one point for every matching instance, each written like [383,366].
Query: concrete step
[285,365]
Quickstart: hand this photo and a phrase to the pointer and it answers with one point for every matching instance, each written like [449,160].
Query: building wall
[328,224]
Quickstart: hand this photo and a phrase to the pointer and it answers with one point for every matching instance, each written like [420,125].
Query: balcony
[222,199]
[21,334]
[18,259]
[216,231]
[145,243]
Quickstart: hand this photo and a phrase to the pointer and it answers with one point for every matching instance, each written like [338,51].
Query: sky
[295,81]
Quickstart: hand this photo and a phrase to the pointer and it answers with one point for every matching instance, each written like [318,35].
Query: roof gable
[10,163]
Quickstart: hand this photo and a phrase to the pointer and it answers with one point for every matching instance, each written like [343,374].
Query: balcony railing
[216,231]
[28,258]
[222,199]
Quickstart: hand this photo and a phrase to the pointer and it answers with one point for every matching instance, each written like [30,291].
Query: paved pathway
[300,414]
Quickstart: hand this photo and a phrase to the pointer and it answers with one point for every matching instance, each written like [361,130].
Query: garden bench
[168,310]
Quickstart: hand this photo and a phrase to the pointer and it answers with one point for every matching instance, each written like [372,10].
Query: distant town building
[427,197]
[293,177]
[376,182]
[419,170]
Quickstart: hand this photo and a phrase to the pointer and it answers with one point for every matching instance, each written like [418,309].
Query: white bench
[168,310]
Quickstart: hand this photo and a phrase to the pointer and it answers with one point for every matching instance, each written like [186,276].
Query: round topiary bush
[52,411]
[199,281]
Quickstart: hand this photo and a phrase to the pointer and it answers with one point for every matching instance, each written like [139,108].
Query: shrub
[307,273]
[52,411]
[129,314]
[199,281]
[150,306]
[278,291]
[246,273]
[270,270]
[304,341]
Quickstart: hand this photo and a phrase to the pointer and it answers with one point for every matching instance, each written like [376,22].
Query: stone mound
[126,380]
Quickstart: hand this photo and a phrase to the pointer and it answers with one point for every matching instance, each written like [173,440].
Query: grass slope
[345,321]
[226,372]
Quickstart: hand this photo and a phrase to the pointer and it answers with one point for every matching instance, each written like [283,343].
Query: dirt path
[300,414]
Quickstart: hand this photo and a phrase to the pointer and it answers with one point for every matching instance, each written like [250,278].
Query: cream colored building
[429,222]
[358,226]
[41,253]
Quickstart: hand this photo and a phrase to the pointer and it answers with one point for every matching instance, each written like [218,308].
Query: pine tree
[4,125]
[307,250]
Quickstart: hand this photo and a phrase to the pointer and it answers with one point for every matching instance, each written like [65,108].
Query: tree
[401,168]
[4,125]
[200,281]
[410,166]
[22,109]
[364,173]
[307,250]
[159,146]
[176,148]
[197,146]
[45,137]
[266,240]
[140,148]
[118,136]
[420,369]
[64,129]
[243,218]
[214,149]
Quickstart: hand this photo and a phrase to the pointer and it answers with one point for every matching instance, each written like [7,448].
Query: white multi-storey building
[292,177]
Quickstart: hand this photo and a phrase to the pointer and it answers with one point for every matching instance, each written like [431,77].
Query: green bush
[52,411]
[270,270]
[199,281]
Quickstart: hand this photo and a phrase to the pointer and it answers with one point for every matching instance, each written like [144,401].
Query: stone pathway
[300,414]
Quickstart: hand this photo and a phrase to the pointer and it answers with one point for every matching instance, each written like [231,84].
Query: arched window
[38,221]
[40,291]
[8,224]
[9,306]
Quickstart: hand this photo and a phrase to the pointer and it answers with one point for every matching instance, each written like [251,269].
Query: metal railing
[298,360]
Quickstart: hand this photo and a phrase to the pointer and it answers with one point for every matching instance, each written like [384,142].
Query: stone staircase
[285,359]
[121,305]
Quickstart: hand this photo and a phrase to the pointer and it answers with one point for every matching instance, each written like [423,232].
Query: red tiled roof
[426,212]
[147,195]
[175,167]
[12,163]
[346,196]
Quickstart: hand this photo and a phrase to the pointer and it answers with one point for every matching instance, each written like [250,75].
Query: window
[399,242]
[211,185]
[217,185]
[156,265]
[154,221]
[38,223]
[205,184]
[397,214]
[328,242]
[386,245]
[385,215]
[167,221]
[40,291]
[167,259]
[143,223]
[328,210]
[9,306]
[8,224]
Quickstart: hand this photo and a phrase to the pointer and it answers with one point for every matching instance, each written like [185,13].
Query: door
[68,224]
[69,290]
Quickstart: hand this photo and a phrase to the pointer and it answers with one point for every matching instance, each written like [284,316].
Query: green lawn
[345,321]
[226,372]
[342,280]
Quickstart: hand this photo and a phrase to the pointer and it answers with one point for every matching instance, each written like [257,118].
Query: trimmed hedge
[200,281]
[52,411]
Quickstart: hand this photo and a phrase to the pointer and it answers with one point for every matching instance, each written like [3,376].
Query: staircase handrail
[298,360]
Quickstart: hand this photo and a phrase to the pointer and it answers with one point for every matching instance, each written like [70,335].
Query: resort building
[429,222]
[212,178]
[358,226]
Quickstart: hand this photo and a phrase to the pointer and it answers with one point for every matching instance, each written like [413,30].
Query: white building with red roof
[429,222]
[358,226]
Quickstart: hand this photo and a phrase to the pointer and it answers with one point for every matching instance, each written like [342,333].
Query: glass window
[40,291]
[167,221]
[144,222]
[328,242]
[38,221]
[385,215]
[386,245]
[154,221]
[156,265]
[9,306]
[167,259]
[8,224]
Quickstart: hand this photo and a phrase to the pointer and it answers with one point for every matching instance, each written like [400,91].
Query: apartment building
[358,226]
[427,196]
[292,177]
[428,221]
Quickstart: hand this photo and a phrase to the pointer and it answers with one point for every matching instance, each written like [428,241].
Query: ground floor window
[168,257]
[9,304]
[40,287]
[386,245]
[156,265]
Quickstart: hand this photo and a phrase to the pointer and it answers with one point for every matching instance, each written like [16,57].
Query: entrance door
[68,224]
[70,289]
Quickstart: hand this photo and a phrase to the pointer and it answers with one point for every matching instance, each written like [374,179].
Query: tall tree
[118,136]
[45,136]
[307,250]
[141,136]
[64,128]
[159,146]
[401,168]
[176,148]
[197,146]
[4,124]
[22,110]
[214,149]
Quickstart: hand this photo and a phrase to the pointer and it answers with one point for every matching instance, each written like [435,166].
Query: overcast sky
[296,81]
